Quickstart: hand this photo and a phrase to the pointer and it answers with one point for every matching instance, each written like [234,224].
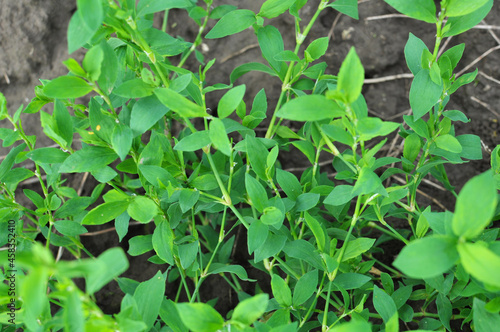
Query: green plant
[197,177]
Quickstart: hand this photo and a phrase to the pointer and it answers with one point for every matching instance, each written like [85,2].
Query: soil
[33,45]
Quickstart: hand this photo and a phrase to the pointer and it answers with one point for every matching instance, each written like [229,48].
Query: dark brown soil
[33,45]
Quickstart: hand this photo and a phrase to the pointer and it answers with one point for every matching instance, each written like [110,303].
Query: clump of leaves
[197,184]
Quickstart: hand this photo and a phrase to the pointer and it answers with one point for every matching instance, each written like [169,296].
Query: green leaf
[310,108]
[232,23]
[317,230]
[249,67]
[305,251]
[47,155]
[471,147]
[257,153]
[274,8]
[423,10]
[272,246]
[83,25]
[234,269]
[455,115]
[230,100]
[140,244]
[200,317]
[413,53]
[114,262]
[163,242]
[475,206]
[460,8]
[145,113]
[121,140]
[286,55]
[170,315]
[69,227]
[187,199]
[271,44]
[480,262]
[64,124]
[249,310]
[347,7]
[427,257]
[383,303]
[457,25]
[88,159]
[340,195]
[357,247]
[91,13]
[368,182]
[105,212]
[145,7]
[272,216]
[412,147]
[369,127]
[218,136]
[149,295]
[179,104]
[352,326]
[317,48]
[424,94]
[92,62]
[134,88]
[305,287]
[483,320]
[448,143]
[351,77]
[306,201]
[142,209]
[350,280]
[256,193]
[67,87]
[109,68]
[281,291]
[445,310]
[289,183]
[257,235]
[193,141]
[74,317]
[463,80]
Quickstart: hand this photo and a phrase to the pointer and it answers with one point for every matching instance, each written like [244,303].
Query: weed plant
[161,158]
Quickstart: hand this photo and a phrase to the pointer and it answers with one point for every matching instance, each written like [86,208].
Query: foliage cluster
[314,237]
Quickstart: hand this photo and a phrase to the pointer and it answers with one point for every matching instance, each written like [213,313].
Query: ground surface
[33,45]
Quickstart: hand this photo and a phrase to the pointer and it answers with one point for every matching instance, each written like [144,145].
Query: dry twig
[488,107]
[243,50]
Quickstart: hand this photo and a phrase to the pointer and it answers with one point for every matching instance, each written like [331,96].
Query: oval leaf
[67,87]
[310,108]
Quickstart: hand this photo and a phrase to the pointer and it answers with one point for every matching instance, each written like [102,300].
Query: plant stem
[300,37]
[324,326]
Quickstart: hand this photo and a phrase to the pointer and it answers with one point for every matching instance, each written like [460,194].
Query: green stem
[324,326]
[300,37]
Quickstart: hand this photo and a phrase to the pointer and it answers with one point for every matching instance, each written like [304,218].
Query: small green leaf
[424,93]
[480,262]
[121,140]
[179,104]
[249,310]
[457,25]
[47,155]
[413,53]
[93,61]
[289,183]
[340,195]
[357,326]
[281,291]
[188,199]
[286,55]
[163,242]
[427,257]
[455,115]
[145,7]
[140,244]
[306,201]
[483,320]
[357,247]
[134,88]
[271,44]
[448,143]
[67,87]
[317,230]
[317,48]
[257,235]
[460,8]
[257,153]
[305,287]
[238,270]
[149,295]
[145,113]
[64,124]
[193,141]
[230,100]
[475,206]
[232,23]
[105,212]
[142,209]
[351,280]
[113,262]
[412,147]
[218,136]
[88,159]
[351,77]
[347,7]
[368,182]
[200,317]
[383,303]
[423,10]
[256,192]
[274,8]
[310,108]
[272,216]
[69,227]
